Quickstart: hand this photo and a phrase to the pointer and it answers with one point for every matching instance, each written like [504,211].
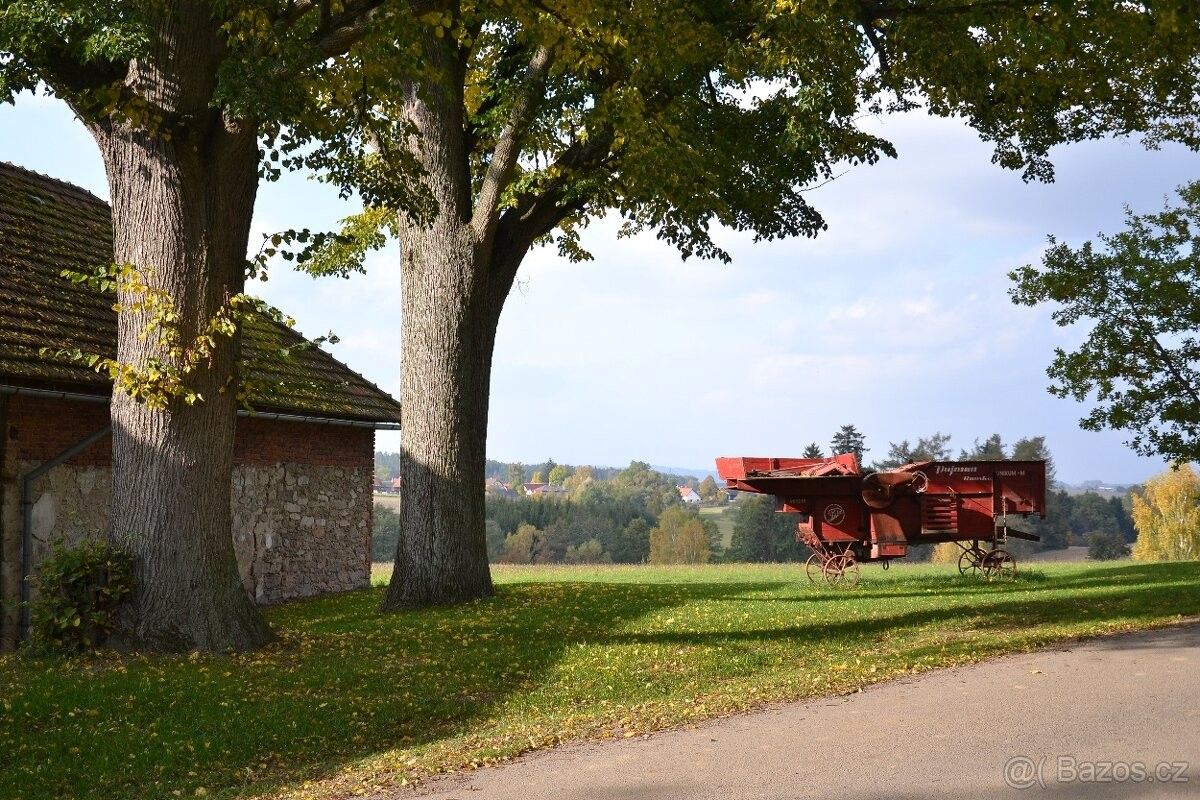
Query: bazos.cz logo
[1022,772]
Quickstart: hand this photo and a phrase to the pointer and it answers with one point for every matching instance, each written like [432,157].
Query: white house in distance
[688,494]
[543,489]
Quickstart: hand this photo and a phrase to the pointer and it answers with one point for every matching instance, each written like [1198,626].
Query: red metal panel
[738,468]
[888,550]
[939,512]
[836,520]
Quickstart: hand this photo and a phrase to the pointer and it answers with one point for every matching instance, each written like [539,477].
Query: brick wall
[263,442]
[301,499]
[39,429]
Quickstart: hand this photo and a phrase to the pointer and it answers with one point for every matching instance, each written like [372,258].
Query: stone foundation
[302,530]
[299,529]
[69,504]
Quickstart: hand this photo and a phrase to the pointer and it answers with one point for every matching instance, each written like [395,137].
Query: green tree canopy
[849,440]
[1106,546]
[1138,296]
[679,538]
[1033,448]
[515,476]
[521,123]
[524,546]
[935,447]
[990,449]
[762,535]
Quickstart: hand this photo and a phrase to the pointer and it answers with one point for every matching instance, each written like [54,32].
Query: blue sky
[896,319]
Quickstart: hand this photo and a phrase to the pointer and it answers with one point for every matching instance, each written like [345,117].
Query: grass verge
[348,700]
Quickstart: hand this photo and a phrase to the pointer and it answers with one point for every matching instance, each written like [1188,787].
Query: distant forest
[387,467]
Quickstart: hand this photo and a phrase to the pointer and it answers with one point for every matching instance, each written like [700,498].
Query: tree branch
[1165,357]
[73,79]
[339,32]
[508,147]
[535,214]
[872,34]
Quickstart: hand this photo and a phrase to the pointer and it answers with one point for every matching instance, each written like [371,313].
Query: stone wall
[70,504]
[301,529]
[301,500]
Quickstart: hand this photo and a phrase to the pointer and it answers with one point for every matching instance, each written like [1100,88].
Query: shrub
[590,552]
[79,590]
[385,534]
[522,547]
[1106,546]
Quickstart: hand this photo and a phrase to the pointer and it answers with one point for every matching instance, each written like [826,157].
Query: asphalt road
[1084,717]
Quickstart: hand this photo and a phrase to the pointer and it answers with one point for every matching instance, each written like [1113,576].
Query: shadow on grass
[881,586]
[343,683]
[1011,613]
[346,683]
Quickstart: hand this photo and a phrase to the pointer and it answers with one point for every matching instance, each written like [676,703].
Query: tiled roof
[47,226]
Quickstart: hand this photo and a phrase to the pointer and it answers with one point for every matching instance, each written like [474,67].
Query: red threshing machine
[848,517]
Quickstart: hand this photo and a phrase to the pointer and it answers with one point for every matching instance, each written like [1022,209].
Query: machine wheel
[999,565]
[971,562]
[841,571]
[812,567]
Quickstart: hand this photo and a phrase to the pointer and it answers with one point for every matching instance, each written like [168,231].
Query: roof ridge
[65,186]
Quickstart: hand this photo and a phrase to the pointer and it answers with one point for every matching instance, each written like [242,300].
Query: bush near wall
[79,590]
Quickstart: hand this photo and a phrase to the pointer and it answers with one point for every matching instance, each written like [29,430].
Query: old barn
[303,457]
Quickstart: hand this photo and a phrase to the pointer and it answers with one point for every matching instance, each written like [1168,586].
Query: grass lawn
[723,517]
[349,699]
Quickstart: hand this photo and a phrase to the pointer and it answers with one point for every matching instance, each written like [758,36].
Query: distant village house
[498,488]
[543,489]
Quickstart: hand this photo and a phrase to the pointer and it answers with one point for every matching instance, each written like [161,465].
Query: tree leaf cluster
[1135,297]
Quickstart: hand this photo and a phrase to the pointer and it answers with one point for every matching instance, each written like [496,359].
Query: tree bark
[453,291]
[182,198]
[449,329]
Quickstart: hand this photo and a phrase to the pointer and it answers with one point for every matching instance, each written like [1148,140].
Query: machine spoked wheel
[841,571]
[999,565]
[812,567]
[971,562]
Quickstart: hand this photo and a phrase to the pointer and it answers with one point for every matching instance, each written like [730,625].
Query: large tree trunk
[452,296]
[457,269]
[182,198]
[449,328]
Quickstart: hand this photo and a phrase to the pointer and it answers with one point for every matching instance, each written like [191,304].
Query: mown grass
[349,699]
[723,517]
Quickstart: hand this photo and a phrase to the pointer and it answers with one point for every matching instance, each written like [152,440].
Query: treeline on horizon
[635,514]
[387,467]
